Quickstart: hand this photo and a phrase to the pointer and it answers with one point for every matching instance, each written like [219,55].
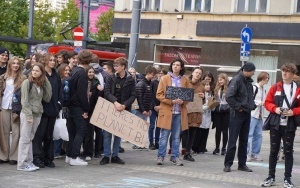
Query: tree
[67,19]
[104,26]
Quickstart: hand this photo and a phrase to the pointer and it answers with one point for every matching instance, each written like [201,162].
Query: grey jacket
[32,100]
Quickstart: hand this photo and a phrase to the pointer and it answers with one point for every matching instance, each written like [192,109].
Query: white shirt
[8,94]
[287,91]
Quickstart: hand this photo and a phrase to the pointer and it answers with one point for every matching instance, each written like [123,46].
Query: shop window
[298,6]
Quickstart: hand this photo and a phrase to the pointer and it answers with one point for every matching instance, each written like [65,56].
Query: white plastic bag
[60,128]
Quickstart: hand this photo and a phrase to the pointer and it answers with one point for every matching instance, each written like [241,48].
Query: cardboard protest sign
[185,94]
[212,103]
[123,124]
[196,105]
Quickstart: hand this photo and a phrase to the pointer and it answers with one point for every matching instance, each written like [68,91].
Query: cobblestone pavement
[141,171]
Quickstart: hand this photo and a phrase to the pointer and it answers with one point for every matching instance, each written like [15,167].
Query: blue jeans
[57,147]
[153,119]
[164,136]
[139,114]
[107,143]
[255,136]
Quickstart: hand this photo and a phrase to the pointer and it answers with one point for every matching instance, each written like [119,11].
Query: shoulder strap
[255,92]
[113,84]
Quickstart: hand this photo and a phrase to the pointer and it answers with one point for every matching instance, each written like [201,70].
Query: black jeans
[42,144]
[238,128]
[221,121]
[288,143]
[88,146]
[188,138]
[77,129]
[203,135]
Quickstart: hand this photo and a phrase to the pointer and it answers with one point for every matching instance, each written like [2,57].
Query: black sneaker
[49,164]
[1,161]
[39,163]
[104,161]
[13,162]
[188,157]
[268,182]
[156,145]
[288,183]
[227,169]
[117,160]
[223,152]
[152,147]
[97,156]
[121,150]
[244,168]
[216,151]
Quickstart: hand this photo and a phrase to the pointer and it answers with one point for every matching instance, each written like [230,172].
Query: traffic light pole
[30,25]
[86,24]
[134,33]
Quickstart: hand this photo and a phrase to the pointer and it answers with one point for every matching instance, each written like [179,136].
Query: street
[141,171]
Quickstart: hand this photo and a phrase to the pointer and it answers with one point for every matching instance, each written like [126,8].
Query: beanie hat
[3,50]
[249,67]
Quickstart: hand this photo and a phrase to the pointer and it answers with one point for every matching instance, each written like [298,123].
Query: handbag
[60,128]
[272,119]
[223,108]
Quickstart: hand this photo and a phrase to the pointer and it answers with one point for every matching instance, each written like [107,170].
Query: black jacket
[95,94]
[240,93]
[144,95]
[155,101]
[79,87]
[52,108]
[127,94]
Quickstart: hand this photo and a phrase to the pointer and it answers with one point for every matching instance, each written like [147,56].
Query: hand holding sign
[180,94]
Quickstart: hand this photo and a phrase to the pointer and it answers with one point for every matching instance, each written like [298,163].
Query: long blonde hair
[218,85]
[19,77]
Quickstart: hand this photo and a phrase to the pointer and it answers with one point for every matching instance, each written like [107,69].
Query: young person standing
[283,103]
[32,110]
[120,90]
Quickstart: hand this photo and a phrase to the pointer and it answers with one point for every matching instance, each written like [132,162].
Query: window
[197,5]
[298,7]
[151,5]
[251,6]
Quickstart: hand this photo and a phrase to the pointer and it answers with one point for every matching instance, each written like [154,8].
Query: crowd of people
[71,83]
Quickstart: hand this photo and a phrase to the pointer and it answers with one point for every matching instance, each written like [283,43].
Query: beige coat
[166,106]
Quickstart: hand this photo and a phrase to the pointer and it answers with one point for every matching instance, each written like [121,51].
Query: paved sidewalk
[141,171]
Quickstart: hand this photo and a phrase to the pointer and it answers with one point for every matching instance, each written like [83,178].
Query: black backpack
[255,92]
[66,92]
[16,105]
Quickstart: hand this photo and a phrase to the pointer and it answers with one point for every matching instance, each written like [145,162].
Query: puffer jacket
[144,95]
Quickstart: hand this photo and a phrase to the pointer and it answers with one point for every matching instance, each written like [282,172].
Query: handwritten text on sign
[123,124]
[185,94]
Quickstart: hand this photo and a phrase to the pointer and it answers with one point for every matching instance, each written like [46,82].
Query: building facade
[208,32]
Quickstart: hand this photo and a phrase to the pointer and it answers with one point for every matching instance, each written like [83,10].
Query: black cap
[249,67]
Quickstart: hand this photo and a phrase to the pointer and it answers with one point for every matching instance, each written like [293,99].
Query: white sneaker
[249,158]
[33,166]
[27,169]
[77,162]
[256,158]
[67,160]
[88,158]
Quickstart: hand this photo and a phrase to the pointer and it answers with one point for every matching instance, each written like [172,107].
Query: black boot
[216,151]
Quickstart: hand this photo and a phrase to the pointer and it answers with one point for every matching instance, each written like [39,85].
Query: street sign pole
[246,36]
[78,37]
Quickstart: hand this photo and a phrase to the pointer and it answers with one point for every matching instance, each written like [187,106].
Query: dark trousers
[238,128]
[77,129]
[288,143]
[203,136]
[88,145]
[42,144]
[221,121]
[188,138]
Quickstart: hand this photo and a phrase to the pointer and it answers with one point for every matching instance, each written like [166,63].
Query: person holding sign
[195,117]
[172,116]
[120,90]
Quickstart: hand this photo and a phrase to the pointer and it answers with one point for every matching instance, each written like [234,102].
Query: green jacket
[32,100]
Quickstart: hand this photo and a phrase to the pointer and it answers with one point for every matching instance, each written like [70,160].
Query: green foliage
[104,26]
[66,19]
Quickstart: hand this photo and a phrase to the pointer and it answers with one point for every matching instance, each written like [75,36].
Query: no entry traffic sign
[78,33]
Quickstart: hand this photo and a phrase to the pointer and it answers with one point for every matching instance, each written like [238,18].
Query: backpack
[16,105]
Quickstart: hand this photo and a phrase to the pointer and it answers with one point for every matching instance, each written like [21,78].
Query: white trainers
[88,158]
[77,162]
[67,160]
[249,158]
[27,169]
[256,158]
[33,166]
